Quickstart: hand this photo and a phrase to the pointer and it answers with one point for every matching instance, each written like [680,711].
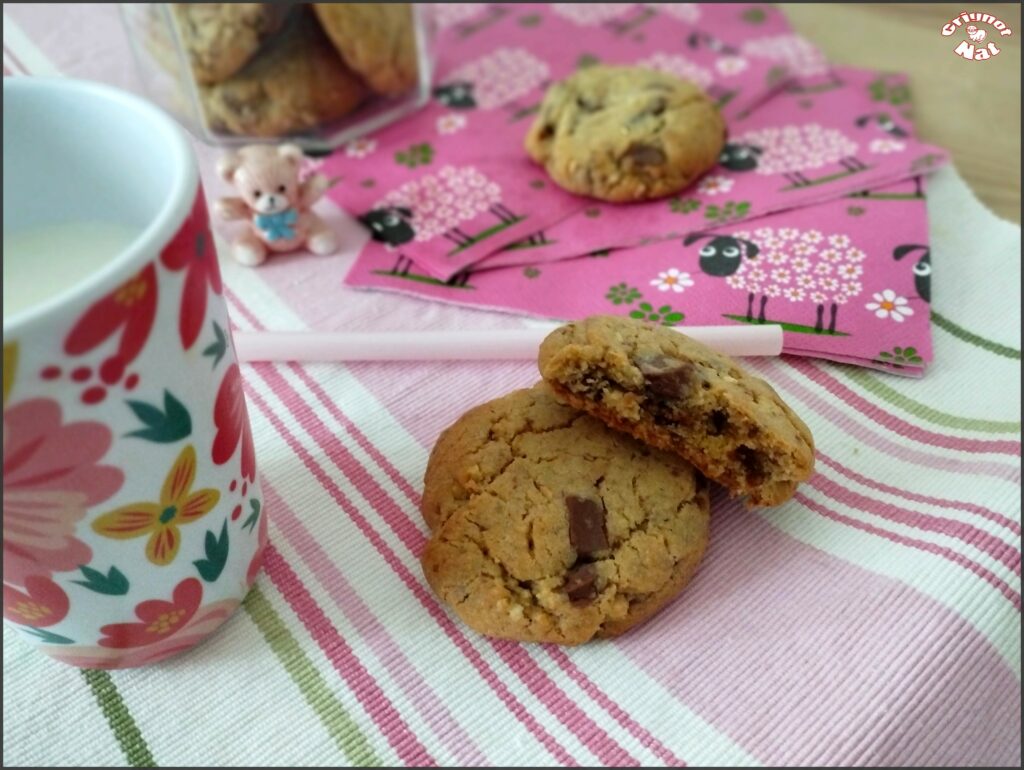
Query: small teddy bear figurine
[275,203]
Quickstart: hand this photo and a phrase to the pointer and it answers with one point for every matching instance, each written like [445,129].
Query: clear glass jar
[317,74]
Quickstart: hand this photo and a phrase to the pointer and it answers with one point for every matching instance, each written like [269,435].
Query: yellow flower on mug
[178,506]
[10,364]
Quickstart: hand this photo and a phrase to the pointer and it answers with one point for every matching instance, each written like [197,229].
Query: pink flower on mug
[178,505]
[152,646]
[193,251]
[159,619]
[232,421]
[130,309]
[52,475]
[42,603]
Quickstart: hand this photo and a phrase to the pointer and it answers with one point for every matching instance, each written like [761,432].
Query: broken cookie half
[674,393]
[548,526]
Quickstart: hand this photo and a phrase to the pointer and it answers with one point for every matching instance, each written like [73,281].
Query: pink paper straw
[462,345]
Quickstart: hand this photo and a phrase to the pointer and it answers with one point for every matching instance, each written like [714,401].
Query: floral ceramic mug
[132,516]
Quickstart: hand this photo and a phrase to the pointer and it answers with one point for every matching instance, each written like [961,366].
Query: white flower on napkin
[885,146]
[828,283]
[730,65]
[855,255]
[793,294]
[713,185]
[360,148]
[673,280]
[451,123]
[849,271]
[888,305]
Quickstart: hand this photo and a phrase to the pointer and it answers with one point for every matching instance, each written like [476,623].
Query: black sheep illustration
[457,95]
[922,268]
[739,157]
[698,40]
[883,121]
[390,225]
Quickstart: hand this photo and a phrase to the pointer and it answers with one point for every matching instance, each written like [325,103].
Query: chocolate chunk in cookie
[581,584]
[586,525]
[674,393]
[548,526]
[625,133]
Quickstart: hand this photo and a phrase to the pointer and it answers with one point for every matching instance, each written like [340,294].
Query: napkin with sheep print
[451,183]
[826,136]
[848,280]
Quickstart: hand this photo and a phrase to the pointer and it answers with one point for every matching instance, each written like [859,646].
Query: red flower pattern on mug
[42,603]
[52,475]
[232,422]
[257,558]
[186,634]
[129,309]
[192,250]
[160,619]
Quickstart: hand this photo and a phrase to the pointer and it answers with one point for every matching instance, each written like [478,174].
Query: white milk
[42,262]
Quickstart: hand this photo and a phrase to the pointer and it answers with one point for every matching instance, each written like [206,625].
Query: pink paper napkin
[824,137]
[848,280]
[451,183]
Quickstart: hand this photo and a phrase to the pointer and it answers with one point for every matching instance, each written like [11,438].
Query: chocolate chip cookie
[676,394]
[550,527]
[221,37]
[377,40]
[295,83]
[625,133]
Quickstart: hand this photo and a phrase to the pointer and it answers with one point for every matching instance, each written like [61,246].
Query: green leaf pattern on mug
[216,554]
[114,583]
[163,427]
[253,517]
[219,347]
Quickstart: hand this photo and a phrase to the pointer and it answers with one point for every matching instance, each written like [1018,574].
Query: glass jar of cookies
[317,74]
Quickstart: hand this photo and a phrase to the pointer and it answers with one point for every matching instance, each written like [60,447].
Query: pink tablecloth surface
[872,620]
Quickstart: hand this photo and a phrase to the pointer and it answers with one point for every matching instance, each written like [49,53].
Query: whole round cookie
[295,83]
[550,527]
[376,40]
[625,133]
[672,392]
[221,37]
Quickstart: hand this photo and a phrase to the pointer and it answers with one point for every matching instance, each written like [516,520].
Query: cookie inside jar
[316,74]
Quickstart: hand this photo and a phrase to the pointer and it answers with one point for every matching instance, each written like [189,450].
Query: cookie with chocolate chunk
[625,133]
[547,526]
[674,393]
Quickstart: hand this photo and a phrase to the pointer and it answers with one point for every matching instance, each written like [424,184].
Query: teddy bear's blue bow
[279,226]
